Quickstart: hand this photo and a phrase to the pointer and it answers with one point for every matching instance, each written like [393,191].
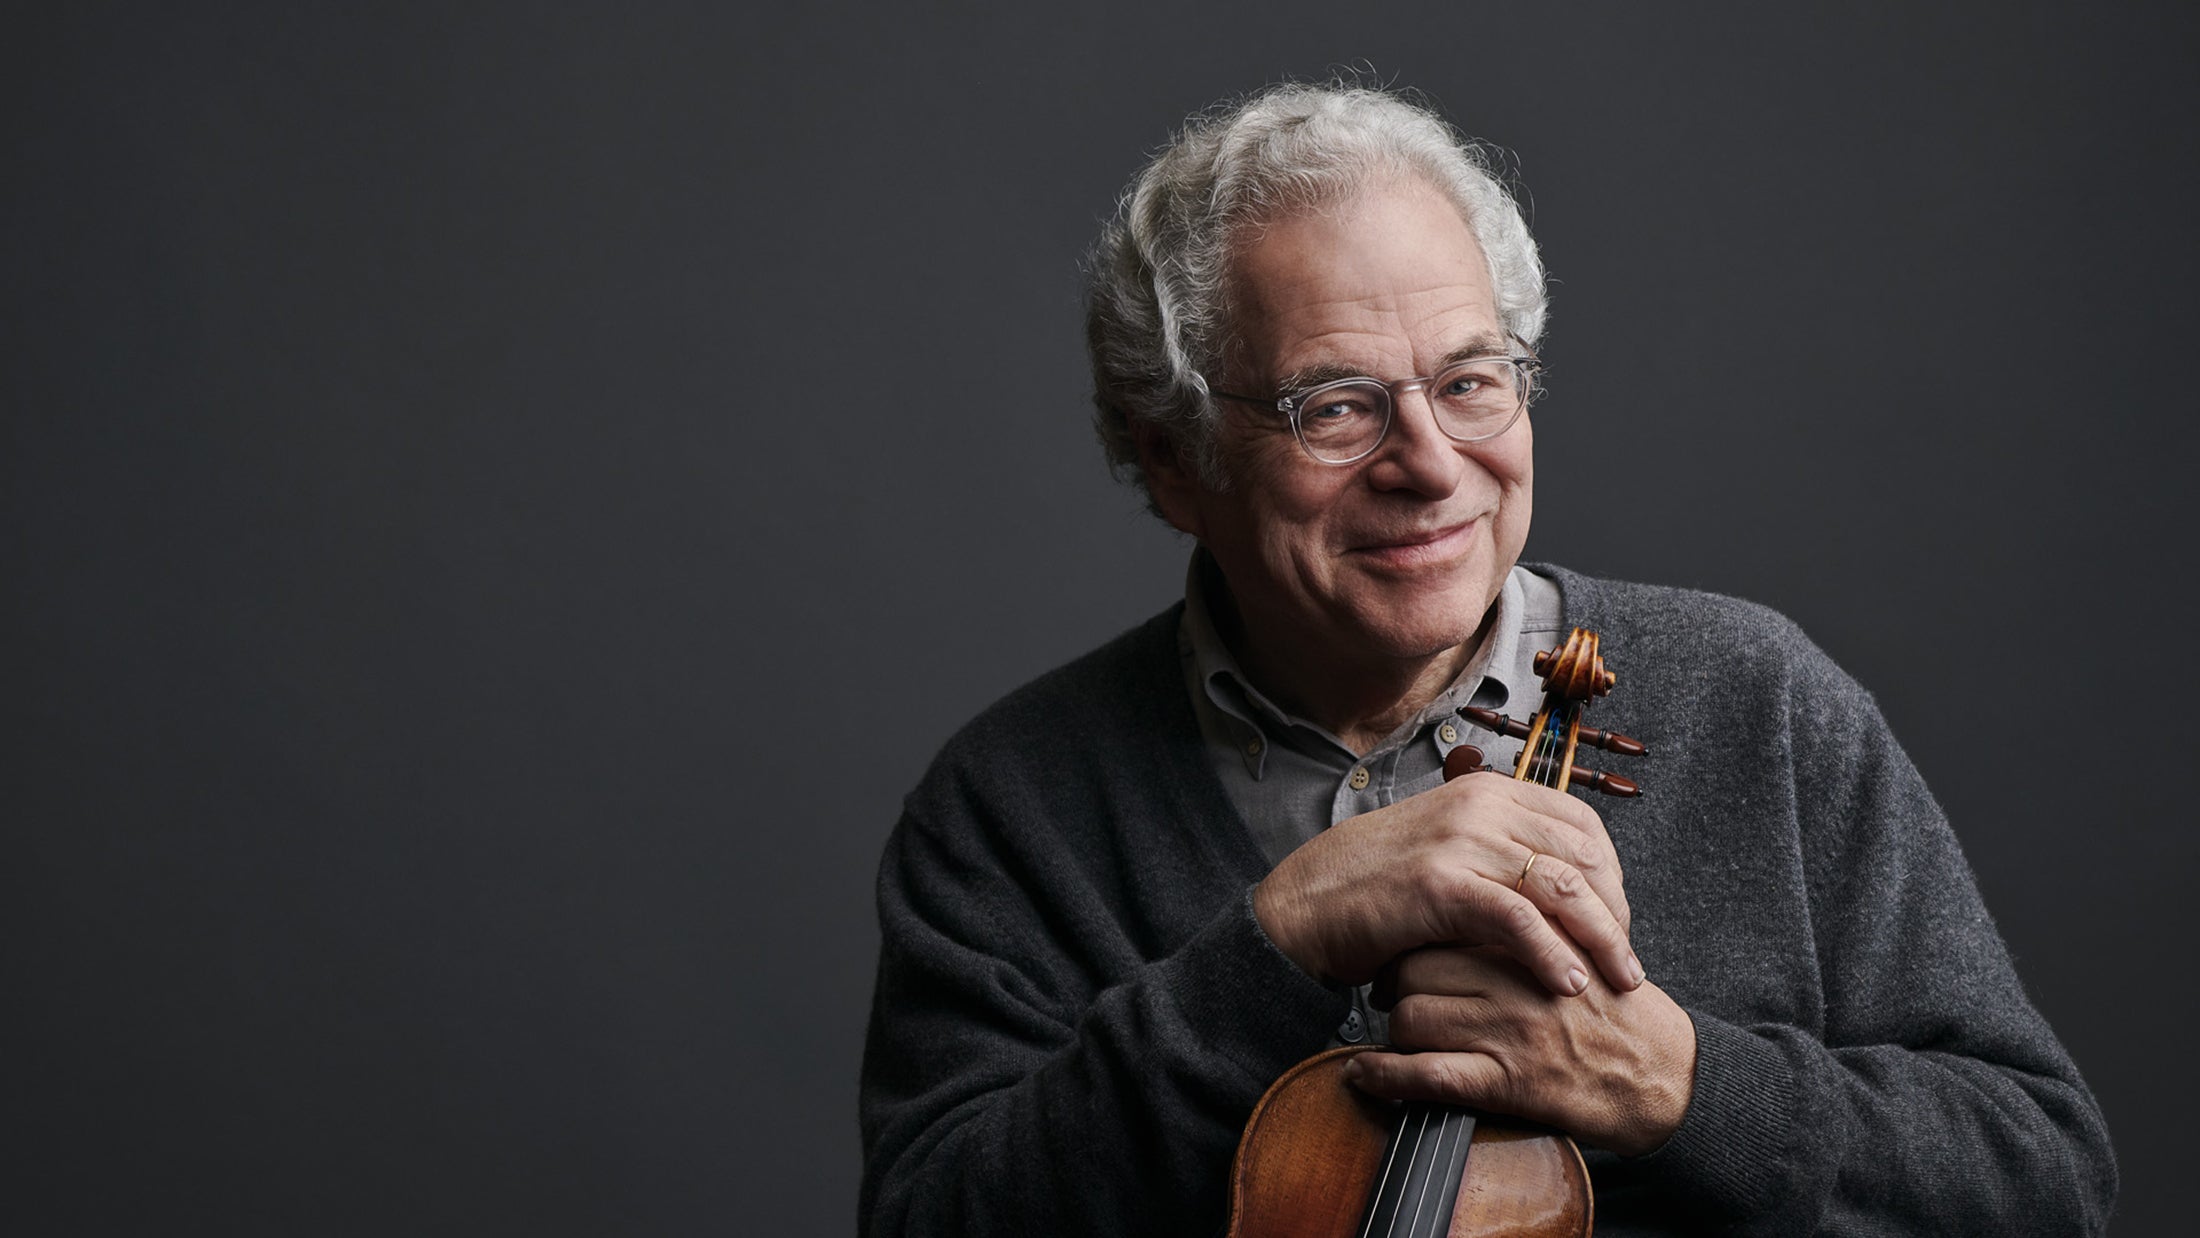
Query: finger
[1457,971]
[1569,875]
[1457,1078]
[1463,905]
[1571,809]
[1573,831]
[1452,971]
[1542,820]
[1566,895]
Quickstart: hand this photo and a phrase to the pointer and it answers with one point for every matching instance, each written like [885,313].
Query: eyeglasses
[1343,421]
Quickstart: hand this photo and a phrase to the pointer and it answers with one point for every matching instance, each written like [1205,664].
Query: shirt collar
[1223,680]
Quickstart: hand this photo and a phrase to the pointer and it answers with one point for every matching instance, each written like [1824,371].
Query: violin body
[1315,1145]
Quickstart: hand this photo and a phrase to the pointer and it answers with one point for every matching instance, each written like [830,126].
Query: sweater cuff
[1252,1005]
[1735,1143]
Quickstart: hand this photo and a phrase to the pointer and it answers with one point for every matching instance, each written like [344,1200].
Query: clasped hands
[1527,1002]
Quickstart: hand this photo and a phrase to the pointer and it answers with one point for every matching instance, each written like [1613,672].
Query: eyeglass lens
[1342,421]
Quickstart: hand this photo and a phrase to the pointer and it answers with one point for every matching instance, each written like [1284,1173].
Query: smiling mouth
[1420,548]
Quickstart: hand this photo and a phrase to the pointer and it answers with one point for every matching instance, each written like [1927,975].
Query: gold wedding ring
[1527,868]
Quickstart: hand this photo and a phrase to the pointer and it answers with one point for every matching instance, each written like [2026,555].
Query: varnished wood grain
[1312,1151]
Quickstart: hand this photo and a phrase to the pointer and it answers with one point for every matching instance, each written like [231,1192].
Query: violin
[1321,1159]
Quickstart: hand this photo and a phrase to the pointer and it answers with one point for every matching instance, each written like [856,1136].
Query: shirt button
[1359,778]
[1352,1031]
[1252,747]
[1448,733]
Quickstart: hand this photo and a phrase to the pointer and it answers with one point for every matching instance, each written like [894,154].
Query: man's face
[1397,555]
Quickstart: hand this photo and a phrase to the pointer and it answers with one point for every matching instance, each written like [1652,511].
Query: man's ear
[1171,480]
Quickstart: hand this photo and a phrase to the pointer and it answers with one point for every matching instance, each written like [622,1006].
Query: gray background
[501,500]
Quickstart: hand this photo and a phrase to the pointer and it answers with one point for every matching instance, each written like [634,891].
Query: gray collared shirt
[1291,779]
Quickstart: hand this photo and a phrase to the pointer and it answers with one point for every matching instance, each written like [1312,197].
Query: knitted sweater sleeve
[1929,1096]
[1075,1007]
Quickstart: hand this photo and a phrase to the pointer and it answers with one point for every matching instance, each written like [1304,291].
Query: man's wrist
[1271,909]
[1665,1089]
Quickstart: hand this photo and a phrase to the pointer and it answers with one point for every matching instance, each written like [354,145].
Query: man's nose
[1416,454]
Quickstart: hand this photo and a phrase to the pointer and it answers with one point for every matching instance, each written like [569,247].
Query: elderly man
[1127,897]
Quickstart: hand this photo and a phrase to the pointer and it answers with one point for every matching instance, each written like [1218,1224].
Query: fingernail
[1352,1071]
[1635,964]
[1576,980]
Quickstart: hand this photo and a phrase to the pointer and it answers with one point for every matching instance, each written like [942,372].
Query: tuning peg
[1461,761]
[1609,741]
[1545,771]
[1610,784]
[1490,719]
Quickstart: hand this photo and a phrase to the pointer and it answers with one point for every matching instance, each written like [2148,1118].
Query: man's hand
[1439,869]
[1612,1069]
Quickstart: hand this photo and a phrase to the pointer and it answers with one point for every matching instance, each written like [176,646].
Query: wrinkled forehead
[1391,277]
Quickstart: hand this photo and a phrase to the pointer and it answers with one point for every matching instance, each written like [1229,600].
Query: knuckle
[1584,818]
[1567,882]
[1410,1020]
[1446,1076]
[1450,1077]
[1440,883]
[1517,917]
[1464,791]
[1407,972]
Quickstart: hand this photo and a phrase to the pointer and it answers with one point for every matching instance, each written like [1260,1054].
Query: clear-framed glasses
[1343,421]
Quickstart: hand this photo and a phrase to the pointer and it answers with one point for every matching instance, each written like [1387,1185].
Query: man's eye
[1338,407]
[1463,384]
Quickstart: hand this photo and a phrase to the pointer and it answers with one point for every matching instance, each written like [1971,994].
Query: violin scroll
[1575,671]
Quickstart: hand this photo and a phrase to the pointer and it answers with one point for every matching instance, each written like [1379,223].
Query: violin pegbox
[1573,675]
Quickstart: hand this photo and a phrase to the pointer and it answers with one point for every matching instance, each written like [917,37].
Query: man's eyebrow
[1485,344]
[1310,376]
[1488,344]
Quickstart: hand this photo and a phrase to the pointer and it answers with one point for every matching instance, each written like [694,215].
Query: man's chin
[1430,620]
[1408,638]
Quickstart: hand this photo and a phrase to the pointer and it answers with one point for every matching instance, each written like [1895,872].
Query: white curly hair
[1154,311]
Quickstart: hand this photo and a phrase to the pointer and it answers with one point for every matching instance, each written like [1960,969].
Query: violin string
[1448,1130]
[1539,767]
[1420,1195]
[1412,1176]
[1416,1170]
[1558,747]
[1426,1175]
[1380,1183]
[1430,1173]
[1462,1129]
[1397,1142]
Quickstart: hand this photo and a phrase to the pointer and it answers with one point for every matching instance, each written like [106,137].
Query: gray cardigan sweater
[1075,1008]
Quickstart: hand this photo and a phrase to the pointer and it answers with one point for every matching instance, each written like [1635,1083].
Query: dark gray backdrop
[500,501]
